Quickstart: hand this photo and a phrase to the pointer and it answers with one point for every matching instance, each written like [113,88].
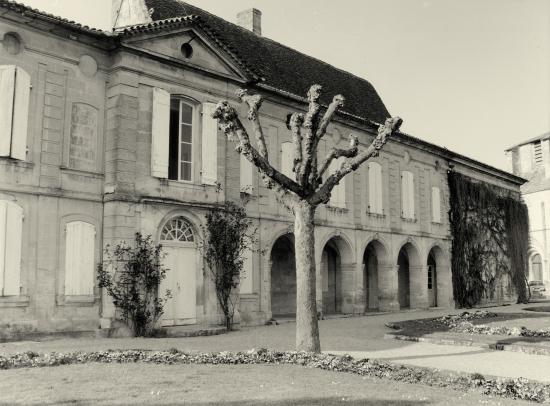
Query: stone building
[108,133]
[531,160]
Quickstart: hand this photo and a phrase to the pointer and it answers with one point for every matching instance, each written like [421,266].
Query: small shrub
[132,276]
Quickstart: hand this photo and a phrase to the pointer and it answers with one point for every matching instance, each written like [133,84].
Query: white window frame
[193,126]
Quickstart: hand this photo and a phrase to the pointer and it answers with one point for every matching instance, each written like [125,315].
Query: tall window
[247,175]
[375,188]
[15,85]
[407,195]
[11,227]
[79,258]
[436,205]
[180,164]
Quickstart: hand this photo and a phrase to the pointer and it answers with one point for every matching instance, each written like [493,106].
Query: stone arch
[437,265]
[283,276]
[190,217]
[375,257]
[337,267]
[410,280]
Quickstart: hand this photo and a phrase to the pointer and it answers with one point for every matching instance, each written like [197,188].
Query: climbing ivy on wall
[490,230]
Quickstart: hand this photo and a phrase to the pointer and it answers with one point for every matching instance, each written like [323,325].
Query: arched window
[375,188]
[11,230]
[177,229]
[79,258]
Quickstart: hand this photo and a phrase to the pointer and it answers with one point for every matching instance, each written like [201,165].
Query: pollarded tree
[310,187]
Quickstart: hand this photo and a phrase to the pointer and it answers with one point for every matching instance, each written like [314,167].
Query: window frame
[182,101]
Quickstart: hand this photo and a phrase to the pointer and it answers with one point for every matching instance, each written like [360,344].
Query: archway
[177,237]
[432,280]
[407,274]
[373,258]
[283,277]
[337,266]
[536,268]
[331,276]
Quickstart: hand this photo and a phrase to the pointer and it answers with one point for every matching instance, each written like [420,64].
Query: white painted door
[181,308]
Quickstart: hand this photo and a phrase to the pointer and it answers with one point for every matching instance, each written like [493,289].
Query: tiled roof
[31,13]
[281,67]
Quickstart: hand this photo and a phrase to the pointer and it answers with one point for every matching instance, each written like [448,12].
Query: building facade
[531,160]
[105,134]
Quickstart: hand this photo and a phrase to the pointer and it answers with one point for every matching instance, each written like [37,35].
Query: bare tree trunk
[307,328]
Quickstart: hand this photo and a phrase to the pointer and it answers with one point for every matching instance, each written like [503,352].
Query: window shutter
[79,258]
[209,145]
[247,174]
[375,187]
[404,195]
[3,234]
[20,115]
[13,242]
[338,195]
[160,133]
[411,195]
[436,205]
[7,93]
[379,188]
[246,283]
[287,159]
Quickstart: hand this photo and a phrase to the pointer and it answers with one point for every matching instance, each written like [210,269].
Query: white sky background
[470,75]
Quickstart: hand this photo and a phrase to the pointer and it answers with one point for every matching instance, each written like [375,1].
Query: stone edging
[519,388]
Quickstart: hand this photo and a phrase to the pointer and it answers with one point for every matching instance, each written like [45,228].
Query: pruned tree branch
[384,132]
[337,103]
[310,124]
[336,153]
[232,126]
[296,121]
[254,103]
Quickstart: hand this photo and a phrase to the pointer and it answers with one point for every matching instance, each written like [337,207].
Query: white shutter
[7,93]
[79,258]
[20,115]
[12,258]
[209,145]
[3,234]
[246,283]
[436,205]
[404,196]
[375,187]
[287,159]
[160,133]
[411,196]
[246,172]
[338,194]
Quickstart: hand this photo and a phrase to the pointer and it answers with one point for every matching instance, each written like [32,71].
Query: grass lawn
[140,384]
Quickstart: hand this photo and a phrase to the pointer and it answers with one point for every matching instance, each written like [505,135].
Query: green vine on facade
[490,230]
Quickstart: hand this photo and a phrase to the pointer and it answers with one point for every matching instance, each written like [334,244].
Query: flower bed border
[510,388]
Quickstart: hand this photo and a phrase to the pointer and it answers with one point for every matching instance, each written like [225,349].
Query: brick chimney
[129,12]
[251,19]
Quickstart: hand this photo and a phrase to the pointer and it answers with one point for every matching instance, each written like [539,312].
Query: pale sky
[470,75]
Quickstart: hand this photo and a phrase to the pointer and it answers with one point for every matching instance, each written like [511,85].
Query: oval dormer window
[187,50]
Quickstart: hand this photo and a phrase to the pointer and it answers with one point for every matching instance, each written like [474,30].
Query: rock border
[510,388]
